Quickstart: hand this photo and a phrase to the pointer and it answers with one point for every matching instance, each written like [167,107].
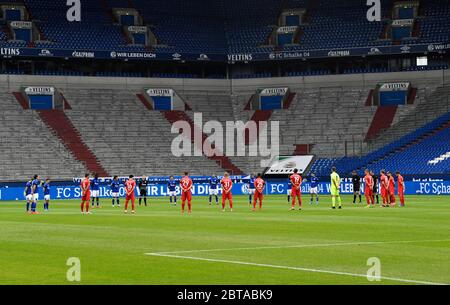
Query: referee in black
[356,181]
[375,187]
[143,183]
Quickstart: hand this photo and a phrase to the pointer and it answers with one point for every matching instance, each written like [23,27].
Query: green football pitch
[158,245]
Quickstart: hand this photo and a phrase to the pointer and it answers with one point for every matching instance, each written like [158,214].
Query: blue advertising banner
[424,186]
[286,54]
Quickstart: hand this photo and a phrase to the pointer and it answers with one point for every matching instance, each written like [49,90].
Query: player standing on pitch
[296,181]
[130,187]
[85,194]
[375,187]
[289,190]
[227,186]
[314,188]
[143,183]
[368,187]
[28,195]
[335,187]
[115,187]
[384,181]
[356,182]
[186,192]
[401,188]
[46,188]
[95,186]
[172,190]
[35,193]
[251,188]
[391,189]
[213,189]
[259,195]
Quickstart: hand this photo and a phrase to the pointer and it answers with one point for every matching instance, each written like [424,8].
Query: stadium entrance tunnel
[162,99]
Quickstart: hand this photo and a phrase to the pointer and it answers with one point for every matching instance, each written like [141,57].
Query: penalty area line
[291,268]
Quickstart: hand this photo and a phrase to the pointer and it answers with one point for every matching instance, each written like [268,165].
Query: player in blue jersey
[28,195]
[214,189]
[35,193]
[289,190]
[171,190]
[115,187]
[314,188]
[251,188]
[46,188]
[95,190]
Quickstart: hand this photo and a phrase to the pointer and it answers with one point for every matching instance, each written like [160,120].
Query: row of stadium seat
[231,26]
[221,76]
[398,155]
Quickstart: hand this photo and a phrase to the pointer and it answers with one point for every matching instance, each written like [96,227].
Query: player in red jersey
[259,189]
[384,182]
[227,185]
[368,187]
[296,181]
[391,189]
[186,193]
[130,187]
[401,188]
[85,194]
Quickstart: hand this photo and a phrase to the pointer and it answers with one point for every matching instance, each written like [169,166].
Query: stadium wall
[368,80]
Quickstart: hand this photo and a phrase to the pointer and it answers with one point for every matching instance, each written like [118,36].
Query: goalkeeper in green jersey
[335,186]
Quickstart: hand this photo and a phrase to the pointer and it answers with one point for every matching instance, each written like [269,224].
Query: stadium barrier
[423,186]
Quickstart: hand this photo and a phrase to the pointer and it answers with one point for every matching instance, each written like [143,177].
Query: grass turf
[112,246]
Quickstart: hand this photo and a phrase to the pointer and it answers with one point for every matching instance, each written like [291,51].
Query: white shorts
[115,194]
[95,194]
[29,197]
[289,192]
[35,197]
[46,197]
[251,191]
[314,190]
[172,193]
[213,191]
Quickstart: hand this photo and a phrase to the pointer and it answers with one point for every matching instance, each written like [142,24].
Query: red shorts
[384,192]
[259,196]
[368,192]
[130,197]
[86,196]
[401,191]
[186,196]
[228,196]
[295,192]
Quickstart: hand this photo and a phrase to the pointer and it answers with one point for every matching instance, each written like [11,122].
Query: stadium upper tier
[225,26]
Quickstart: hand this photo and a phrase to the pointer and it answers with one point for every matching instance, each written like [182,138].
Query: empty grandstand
[219,56]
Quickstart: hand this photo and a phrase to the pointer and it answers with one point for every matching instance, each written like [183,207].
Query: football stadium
[224,142]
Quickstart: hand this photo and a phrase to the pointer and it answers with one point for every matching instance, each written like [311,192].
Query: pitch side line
[293,268]
[302,246]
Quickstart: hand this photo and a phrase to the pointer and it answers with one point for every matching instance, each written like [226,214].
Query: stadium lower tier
[107,127]
[424,151]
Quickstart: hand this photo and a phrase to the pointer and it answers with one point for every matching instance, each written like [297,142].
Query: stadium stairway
[223,161]
[21,100]
[382,120]
[59,123]
[144,101]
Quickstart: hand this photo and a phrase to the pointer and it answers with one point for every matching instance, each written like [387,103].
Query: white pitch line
[303,246]
[293,268]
